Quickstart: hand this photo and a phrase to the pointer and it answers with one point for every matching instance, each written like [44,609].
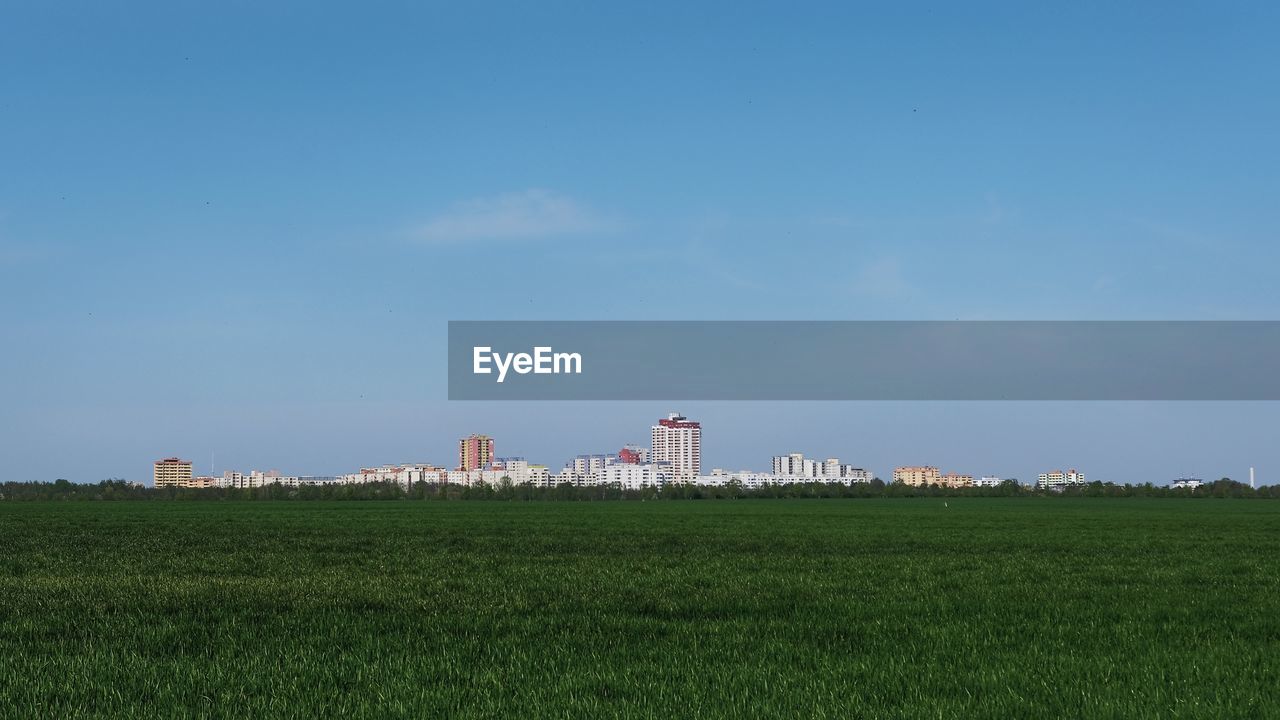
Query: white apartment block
[567,476]
[520,472]
[592,464]
[633,476]
[629,476]
[513,470]
[797,465]
[755,480]
[403,475]
[1057,479]
[517,470]
[258,478]
[539,476]
[988,481]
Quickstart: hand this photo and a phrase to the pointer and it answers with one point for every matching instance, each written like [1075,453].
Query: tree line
[116,489]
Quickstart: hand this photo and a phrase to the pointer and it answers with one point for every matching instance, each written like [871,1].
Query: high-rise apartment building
[584,465]
[475,452]
[792,464]
[797,465]
[171,472]
[677,442]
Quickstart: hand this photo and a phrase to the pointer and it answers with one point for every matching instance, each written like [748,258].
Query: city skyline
[217,235]
[677,460]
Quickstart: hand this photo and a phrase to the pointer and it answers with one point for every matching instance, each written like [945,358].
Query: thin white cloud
[883,277]
[529,214]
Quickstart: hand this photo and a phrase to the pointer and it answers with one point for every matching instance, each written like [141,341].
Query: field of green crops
[1026,607]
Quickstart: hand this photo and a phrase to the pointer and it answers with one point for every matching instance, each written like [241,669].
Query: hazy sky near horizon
[240,228]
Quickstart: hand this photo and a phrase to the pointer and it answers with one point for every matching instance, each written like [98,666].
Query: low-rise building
[917,475]
[754,480]
[1058,480]
[259,478]
[955,480]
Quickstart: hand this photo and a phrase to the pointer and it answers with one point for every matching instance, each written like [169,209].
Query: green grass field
[1028,608]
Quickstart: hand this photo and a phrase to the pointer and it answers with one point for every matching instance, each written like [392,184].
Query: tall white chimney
[1251,477]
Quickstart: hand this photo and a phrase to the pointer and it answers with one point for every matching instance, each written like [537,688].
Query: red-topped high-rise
[677,442]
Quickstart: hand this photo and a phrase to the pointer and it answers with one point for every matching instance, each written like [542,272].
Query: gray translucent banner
[864,360]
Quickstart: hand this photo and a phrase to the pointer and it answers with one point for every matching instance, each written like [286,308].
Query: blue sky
[241,229]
